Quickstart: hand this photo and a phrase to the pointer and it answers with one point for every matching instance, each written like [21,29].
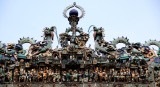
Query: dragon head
[98,33]
[48,32]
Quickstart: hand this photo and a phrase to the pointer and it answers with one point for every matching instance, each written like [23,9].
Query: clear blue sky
[139,20]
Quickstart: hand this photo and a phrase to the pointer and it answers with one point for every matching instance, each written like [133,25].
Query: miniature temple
[76,65]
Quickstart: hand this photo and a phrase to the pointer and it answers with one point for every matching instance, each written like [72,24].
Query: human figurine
[29,76]
[136,76]
[45,76]
[50,75]
[86,75]
[80,76]
[72,74]
[56,76]
[16,75]
[68,76]
[63,76]
[118,77]
[22,76]
[115,76]
[91,74]
[75,76]
[122,75]
[40,75]
[104,75]
[133,76]
[147,74]
[142,74]
[35,75]
[95,76]
[1,78]
[128,75]
[9,75]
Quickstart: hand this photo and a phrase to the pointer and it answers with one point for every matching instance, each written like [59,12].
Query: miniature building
[74,64]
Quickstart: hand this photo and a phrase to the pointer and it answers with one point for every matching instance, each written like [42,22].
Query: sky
[139,20]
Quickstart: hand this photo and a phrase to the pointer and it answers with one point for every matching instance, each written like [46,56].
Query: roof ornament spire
[73,10]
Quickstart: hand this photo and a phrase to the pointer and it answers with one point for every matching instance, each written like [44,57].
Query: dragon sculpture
[44,48]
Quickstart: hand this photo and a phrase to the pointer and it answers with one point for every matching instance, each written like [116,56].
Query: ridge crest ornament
[74,63]
[72,6]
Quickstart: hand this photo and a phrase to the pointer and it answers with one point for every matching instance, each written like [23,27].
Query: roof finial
[74,3]
[76,6]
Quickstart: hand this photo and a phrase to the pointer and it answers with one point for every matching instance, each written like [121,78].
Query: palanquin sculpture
[75,54]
